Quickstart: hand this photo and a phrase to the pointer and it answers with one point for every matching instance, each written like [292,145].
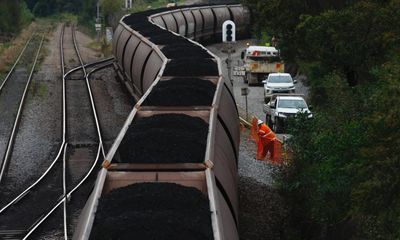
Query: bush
[343,182]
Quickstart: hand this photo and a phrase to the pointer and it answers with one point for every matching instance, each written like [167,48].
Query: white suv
[278,83]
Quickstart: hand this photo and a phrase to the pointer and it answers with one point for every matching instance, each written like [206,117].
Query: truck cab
[282,107]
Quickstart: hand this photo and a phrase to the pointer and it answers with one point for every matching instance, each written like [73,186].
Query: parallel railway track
[66,173]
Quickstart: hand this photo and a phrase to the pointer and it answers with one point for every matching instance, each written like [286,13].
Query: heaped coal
[145,211]
[182,92]
[191,67]
[165,138]
[184,50]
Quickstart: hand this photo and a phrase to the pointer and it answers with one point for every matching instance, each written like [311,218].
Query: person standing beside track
[266,139]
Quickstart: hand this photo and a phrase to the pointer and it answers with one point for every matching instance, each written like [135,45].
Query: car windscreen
[289,103]
[280,79]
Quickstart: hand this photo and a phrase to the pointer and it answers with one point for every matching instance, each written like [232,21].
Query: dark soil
[153,211]
[182,92]
[165,138]
[191,67]
[263,212]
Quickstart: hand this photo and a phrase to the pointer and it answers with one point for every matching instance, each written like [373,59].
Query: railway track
[13,91]
[77,157]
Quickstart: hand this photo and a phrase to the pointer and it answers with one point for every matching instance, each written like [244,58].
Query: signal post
[229,37]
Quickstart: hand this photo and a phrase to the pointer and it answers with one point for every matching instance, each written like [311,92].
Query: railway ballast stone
[182,92]
[161,211]
[165,138]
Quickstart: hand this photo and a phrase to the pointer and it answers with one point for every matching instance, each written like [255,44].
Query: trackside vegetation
[344,181]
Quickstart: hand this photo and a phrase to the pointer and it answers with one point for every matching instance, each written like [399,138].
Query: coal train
[172,171]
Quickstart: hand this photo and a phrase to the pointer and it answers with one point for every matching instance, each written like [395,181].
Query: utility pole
[98,21]
[229,61]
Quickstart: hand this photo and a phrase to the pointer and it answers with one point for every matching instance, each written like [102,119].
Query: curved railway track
[66,174]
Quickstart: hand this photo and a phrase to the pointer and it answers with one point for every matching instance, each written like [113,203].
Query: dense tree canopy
[343,182]
[13,15]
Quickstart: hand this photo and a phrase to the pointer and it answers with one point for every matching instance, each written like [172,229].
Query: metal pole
[98,19]
[229,63]
[247,113]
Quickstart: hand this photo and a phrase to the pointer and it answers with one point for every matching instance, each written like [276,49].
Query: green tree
[14,14]
[346,161]
[110,7]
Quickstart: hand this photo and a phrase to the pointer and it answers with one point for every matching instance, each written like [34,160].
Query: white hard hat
[259,122]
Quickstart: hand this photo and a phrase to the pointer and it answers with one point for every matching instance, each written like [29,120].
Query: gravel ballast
[165,138]
[153,211]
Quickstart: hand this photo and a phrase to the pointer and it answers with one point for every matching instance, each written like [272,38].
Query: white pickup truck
[278,83]
[283,106]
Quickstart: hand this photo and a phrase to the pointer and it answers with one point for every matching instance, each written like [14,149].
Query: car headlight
[281,115]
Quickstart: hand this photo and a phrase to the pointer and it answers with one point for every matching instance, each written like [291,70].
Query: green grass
[95,46]
[4,46]
[63,17]
[102,47]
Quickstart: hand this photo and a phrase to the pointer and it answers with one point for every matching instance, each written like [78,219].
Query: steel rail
[65,193]
[24,193]
[69,194]
[15,64]
[89,91]
[87,65]
[21,195]
[99,151]
[60,151]
[10,143]
[35,226]
[63,83]
[64,198]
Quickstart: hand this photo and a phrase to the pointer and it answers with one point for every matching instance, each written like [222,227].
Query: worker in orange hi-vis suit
[266,141]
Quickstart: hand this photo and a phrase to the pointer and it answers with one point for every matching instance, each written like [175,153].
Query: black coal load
[145,211]
[181,92]
[191,67]
[184,50]
[165,138]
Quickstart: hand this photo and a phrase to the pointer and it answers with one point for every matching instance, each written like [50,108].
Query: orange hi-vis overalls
[265,141]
